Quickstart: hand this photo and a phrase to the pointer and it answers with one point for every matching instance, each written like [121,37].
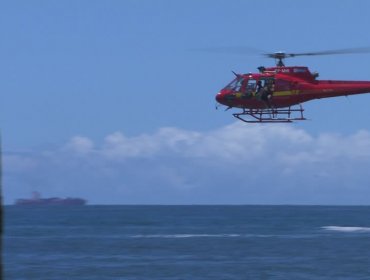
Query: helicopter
[275,94]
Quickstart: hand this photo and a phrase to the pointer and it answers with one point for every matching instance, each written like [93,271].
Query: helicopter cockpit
[236,84]
[256,88]
[250,85]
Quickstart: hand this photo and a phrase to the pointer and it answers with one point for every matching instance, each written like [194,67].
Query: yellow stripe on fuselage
[285,93]
[238,95]
[275,93]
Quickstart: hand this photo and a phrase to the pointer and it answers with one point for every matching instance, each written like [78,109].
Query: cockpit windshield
[235,84]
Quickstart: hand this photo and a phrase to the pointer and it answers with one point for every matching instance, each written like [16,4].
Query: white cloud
[234,161]
[118,146]
[331,148]
[80,145]
[236,141]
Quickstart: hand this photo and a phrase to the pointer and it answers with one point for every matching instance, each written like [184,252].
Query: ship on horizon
[36,200]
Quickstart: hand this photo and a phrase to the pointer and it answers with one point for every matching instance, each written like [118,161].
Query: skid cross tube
[271,115]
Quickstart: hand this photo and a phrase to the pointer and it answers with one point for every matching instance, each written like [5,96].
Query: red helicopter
[275,94]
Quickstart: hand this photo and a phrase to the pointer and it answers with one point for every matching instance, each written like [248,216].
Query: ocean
[187,242]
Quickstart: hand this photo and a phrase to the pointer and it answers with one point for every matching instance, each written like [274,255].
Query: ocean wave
[347,229]
[221,235]
[184,235]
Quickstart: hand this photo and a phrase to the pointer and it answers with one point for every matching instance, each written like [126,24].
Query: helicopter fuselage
[282,86]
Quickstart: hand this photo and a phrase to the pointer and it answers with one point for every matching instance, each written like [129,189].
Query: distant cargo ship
[36,200]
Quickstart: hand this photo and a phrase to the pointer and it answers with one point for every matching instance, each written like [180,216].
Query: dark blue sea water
[187,242]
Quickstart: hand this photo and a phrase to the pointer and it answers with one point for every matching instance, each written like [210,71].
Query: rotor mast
[279,57]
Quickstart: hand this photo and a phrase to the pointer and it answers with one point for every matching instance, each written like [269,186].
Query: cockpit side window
[235,84]
[251,85]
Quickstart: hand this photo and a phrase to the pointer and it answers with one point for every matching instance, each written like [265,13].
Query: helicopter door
[265,90]
[260,85]
[266,84]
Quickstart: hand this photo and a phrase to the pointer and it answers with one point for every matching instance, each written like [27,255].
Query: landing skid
[271,115]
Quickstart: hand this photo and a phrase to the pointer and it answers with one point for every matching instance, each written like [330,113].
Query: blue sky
[109,100]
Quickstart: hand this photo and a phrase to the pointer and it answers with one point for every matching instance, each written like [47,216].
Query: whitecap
[347,229]
[184,235]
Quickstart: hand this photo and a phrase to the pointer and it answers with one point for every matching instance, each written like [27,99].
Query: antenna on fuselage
[236,75]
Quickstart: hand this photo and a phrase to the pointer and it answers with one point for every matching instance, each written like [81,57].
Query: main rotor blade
[279,56]
[340,51]
[327,52]
[231,49]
